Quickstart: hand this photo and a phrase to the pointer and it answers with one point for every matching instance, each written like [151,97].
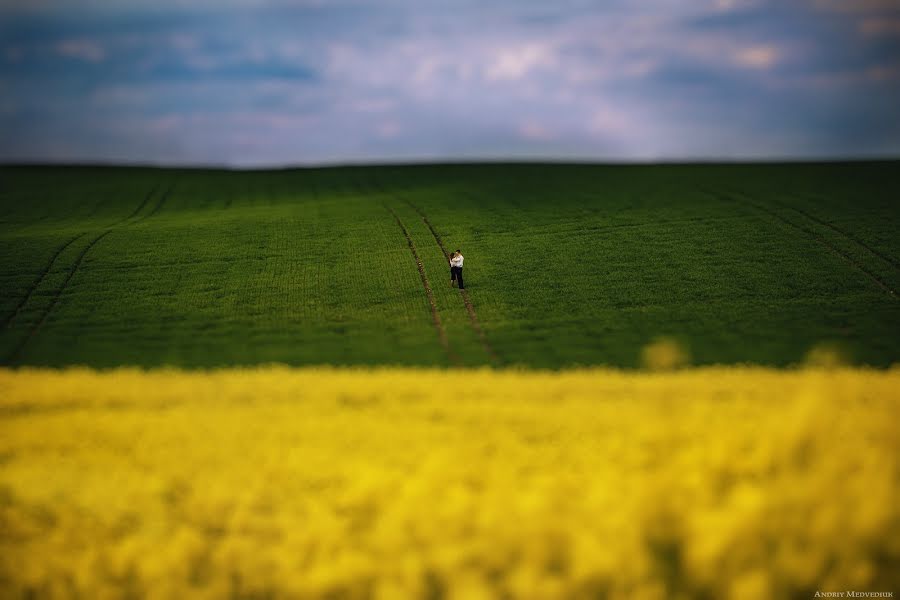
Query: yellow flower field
[392,483]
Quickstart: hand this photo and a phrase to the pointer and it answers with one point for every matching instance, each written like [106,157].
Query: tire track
[8,321]
[893,262]
[53,302]
[17,350]
[62,248]
[470,308]
[649,224]
[162,200]
[140,206]
[435,316]
[818,238]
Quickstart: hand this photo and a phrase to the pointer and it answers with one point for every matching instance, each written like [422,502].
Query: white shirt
[457,261]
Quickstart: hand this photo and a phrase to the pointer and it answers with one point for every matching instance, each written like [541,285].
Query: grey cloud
[253,82]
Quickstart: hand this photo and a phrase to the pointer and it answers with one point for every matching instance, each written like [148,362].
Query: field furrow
[888,259]
[435,316]
[464,294]
[37,282]
[54,300]
[143,203]
[843,255]
[160,203]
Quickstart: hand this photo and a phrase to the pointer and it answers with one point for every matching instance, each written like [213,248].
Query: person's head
[457,251]
[452,254]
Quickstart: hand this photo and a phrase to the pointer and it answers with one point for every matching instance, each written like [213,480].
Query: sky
[276,82]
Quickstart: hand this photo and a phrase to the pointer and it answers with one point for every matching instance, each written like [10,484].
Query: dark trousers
[456,275]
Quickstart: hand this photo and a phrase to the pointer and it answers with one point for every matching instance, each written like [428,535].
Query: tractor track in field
[140,206]
[470,308]
[8,321]
[429,293]
[62,248]
[77,264]
[815,236]
[892,261]
[56,296]
[162,200]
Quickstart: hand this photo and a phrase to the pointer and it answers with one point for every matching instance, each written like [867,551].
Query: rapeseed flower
[392,483]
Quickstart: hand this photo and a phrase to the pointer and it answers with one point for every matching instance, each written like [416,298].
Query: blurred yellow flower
[393,483]
[664,354]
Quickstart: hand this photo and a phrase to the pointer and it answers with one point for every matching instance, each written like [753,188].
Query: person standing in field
[456,268]
[452,268]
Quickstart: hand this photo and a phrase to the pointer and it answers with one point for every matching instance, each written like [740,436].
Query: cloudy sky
[275,82]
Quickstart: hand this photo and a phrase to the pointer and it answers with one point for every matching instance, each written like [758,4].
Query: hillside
[565,264]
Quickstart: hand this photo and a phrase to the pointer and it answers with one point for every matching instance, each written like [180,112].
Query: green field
[565,264]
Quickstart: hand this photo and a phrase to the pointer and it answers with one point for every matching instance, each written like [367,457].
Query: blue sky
[278,82]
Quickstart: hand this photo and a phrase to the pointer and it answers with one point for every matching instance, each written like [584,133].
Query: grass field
[721,483]
[566,264]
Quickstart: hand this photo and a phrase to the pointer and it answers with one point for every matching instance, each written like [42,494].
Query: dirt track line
[470,308]
[8,321]
[884,257]
[159,205]
[141,206]
[74,268]
[435,317]
[38,281]
[53,302]
[81,256]
[815,236]
[701,220]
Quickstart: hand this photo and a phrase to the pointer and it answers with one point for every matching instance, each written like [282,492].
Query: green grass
[565,264]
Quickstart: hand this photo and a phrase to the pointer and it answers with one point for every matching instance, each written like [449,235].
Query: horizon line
[511,161]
